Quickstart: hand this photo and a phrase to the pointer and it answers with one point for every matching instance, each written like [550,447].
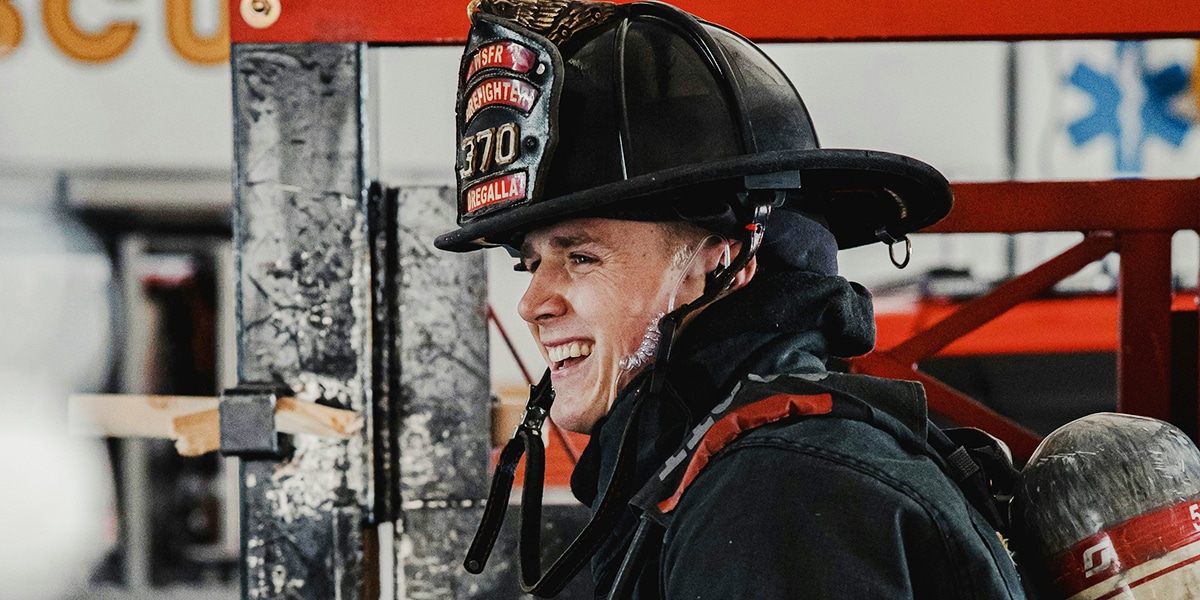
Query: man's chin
[573,420]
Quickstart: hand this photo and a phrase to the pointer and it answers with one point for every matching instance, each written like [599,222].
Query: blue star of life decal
[1132,104]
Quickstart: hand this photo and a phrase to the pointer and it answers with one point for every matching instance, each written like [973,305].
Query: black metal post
[300,229]
[441,356]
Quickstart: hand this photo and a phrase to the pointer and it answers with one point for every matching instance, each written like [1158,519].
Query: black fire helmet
[642,111]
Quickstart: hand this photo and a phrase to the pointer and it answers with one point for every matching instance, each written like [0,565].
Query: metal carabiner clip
[882,235]
[907,253]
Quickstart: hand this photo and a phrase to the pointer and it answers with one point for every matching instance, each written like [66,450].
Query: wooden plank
[198,433]
[131,415]
[193,421]
[296,416]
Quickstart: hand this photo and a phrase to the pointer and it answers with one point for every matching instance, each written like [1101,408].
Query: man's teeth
[565,351]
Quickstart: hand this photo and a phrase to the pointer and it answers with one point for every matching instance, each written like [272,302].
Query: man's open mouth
[566,355]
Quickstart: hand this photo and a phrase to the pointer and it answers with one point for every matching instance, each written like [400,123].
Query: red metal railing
[445,21]
[1133,217]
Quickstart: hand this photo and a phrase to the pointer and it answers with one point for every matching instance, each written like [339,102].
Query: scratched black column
[442,405]
[443,399]
[304,308]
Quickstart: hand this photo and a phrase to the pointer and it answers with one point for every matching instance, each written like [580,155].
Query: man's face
[596,286]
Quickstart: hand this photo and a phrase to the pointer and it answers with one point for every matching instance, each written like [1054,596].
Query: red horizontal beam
[1117,205]
[445,22]
[1064,324]
[1048,326]
[972,315]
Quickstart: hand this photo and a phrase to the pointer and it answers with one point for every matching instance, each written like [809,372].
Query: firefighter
[660,181]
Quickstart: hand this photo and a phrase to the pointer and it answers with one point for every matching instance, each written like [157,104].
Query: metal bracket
[247,417]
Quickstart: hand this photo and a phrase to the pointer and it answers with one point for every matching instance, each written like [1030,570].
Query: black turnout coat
[831,506]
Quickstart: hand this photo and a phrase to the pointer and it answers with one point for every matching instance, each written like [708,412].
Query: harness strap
[971,457]
[980,468]
[728,420]
[740,420]
[635,558]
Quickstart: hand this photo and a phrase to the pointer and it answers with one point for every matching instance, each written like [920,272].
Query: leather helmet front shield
[510,80]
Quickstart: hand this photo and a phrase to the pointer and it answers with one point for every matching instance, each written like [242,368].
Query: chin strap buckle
[532,420]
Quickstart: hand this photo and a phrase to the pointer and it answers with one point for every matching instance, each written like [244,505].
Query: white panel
[943,103]
[417,89]
[1140,98]
[146,108]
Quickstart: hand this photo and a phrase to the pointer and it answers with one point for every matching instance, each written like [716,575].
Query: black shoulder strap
[978,464]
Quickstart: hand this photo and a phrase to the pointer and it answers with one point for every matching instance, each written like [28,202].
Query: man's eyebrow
[560,242]
[570,241]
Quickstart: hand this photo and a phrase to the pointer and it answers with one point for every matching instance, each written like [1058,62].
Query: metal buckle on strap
[533,419]
[541,396]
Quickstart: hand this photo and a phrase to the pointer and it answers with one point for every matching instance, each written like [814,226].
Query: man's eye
[582,259]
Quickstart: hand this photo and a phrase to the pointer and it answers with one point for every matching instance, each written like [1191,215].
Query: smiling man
[664,189]
[598,290]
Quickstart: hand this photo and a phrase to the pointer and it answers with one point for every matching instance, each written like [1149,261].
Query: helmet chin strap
[716,282]
[527,440]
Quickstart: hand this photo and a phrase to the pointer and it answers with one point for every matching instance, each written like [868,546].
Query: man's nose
[543,298]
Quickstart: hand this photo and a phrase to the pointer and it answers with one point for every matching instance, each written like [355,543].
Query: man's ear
[721,255]
[745,275]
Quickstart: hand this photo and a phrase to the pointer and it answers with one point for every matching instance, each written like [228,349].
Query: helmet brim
[863,195]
